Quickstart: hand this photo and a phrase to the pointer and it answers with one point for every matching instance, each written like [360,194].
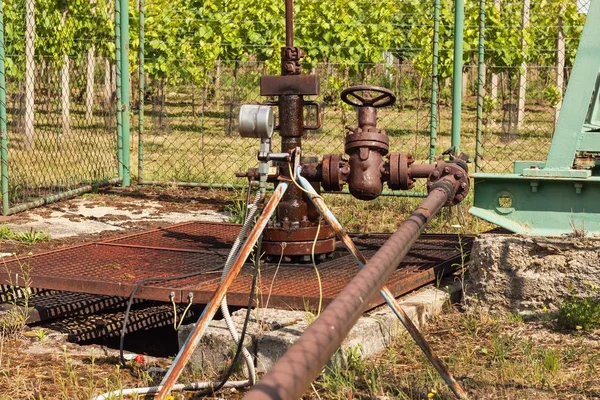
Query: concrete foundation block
[271,332]
[524,274]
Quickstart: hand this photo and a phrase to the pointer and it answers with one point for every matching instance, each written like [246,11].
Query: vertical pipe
[142,85]
[459,21]
[29,74]
[434,81]
[289,23]
[3,129]
[118,86]
[480,86]
[125,106]
[523,72]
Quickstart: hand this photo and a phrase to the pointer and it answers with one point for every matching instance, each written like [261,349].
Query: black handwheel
[383,97]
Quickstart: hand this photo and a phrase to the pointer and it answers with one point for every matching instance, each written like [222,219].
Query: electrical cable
[185,310]
[293,173]
[137,287]
[312,257]
[211,387]
[240,345]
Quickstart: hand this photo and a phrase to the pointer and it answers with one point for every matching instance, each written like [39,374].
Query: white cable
[252,209]
[224,308]
[176,388]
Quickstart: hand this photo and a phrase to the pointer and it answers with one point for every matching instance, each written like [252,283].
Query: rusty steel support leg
[293,373]
[384,292]
[213,305]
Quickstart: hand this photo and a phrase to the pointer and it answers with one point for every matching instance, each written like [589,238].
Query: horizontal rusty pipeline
[385,293]
[213,305]
[293,373]
[420,171]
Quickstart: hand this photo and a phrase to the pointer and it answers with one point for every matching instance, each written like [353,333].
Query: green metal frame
[3,128]
[556,197]
[457,77]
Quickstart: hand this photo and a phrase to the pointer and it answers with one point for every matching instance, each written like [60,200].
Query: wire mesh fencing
[191,68]
[522,91]
[59,103]
[190,133]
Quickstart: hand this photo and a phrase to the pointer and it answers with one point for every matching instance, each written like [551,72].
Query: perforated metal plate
[113,267]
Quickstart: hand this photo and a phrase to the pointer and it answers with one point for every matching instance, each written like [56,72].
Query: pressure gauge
[256,121]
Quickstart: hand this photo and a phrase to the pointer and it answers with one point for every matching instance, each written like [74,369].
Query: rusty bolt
[459,197]
[447,170]
[463,185]
[458,175]
[435,174]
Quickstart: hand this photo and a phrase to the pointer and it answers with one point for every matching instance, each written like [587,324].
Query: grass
[31,236]
[492,356]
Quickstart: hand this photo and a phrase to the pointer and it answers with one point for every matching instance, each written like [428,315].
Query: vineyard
[200,60]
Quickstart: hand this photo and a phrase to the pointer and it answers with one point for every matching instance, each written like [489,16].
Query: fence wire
[201,64]
[521,95]
[60,109]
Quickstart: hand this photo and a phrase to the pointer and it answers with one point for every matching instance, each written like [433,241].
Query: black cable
[240,345]
[132,296]
[171,278]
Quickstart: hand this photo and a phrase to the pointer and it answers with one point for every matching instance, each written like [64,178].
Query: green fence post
[480,86]
[459,21]
[125,106]
[142,85]
[434,81]
[118,87]
[3,130]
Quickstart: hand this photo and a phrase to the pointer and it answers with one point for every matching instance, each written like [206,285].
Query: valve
[366,145]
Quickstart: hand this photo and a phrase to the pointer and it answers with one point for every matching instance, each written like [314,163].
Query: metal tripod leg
[384,292]
[213,305]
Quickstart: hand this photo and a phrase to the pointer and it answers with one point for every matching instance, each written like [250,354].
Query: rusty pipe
[385,293]
[289,23]
[420,171]
[213,305]
[293,373]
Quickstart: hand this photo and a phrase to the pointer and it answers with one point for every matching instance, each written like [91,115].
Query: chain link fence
[520,95]
[190,133]
[201,64]
[59,124]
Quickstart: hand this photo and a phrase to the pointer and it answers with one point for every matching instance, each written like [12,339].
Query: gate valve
[366,145]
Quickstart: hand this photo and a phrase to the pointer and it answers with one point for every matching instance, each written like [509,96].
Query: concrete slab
[83,216]
[272,331]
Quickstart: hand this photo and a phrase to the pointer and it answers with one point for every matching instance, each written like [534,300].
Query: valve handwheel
[383,97]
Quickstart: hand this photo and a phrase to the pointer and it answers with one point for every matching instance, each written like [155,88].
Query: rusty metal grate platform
[113,267]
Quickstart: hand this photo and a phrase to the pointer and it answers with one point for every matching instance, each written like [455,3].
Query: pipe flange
[371,139]
[334,172]
[400,171]
[454,172]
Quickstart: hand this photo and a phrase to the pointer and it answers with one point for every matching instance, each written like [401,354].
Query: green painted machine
[562,195]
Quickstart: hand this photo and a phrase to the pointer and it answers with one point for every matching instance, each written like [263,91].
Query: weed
[31,237]
[5,232]
[237,209]
[578,313]
[13,322]
[550,360]
[41,335]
